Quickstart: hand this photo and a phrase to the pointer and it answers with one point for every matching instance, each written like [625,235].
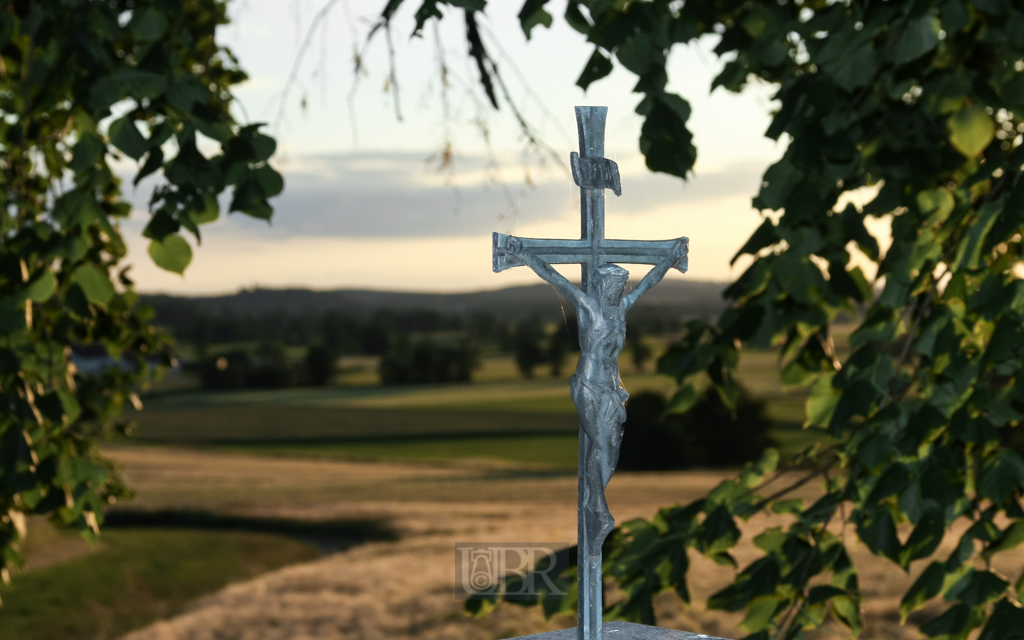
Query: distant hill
[675,297]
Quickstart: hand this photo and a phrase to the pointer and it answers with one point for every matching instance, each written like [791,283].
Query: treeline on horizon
[232,348]
[421,345]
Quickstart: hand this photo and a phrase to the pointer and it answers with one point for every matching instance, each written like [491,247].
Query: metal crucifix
[601,304]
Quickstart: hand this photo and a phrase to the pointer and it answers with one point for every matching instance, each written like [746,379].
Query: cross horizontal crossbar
[583,251]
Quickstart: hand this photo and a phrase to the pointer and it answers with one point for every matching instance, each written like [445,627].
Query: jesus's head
[612,281]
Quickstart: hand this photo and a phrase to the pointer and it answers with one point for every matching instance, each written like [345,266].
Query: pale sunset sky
[362,206]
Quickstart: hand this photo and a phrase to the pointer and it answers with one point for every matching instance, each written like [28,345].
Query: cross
[592,173]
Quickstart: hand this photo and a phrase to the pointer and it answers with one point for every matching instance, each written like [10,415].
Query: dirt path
[409,589]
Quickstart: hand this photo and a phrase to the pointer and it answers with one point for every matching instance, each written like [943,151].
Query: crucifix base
[623,631]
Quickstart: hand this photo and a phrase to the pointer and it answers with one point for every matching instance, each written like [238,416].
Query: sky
[366,203]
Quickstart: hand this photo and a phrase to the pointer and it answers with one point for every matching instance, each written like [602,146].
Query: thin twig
[792,612]
[530,92]
[392,77]
[299,57]
[905,352]
[796,485]
[524,126]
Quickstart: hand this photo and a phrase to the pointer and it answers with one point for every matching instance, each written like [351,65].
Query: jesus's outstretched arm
[655,275]
[544,270]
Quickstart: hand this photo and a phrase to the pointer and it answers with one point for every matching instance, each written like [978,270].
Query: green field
[498,416]
[136,576]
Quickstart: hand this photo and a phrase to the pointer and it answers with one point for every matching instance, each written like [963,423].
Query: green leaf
[125,136]
[126,82]
[955,16]
[969,252]
[1001,476]
[665,141]
[937,204]
[950,624]
[12,317]
[186,90]
[263,146]
[765,236]
[824,592]
[854,68]
[147,24]
[846,611]
[1006,622]
[971,130]
[683,400]
[779,180]
[154,161]
[760,611]
[94,282]
[795,374]
[925,539]
[978,588]
[209,213]
[40,288]
[596,68]
[271,182]
[214,129]
[87,152]
[879,534]
[822,402]
[919,37]
[533,14]
[1010,539]
[639,53]
[173,253]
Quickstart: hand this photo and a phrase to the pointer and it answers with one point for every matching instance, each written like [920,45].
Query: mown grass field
[500,415]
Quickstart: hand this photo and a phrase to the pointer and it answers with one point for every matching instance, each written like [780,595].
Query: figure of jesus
[596,387]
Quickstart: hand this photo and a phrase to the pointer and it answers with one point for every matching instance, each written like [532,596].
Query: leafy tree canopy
[920,102]
[87,88]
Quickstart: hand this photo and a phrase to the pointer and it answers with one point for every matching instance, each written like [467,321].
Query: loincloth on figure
[599,405]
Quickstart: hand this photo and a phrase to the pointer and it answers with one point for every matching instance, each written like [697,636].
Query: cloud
[396,195]
[386,220]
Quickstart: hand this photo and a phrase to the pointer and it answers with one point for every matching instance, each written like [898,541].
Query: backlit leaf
[94,282]
[173,253]
[971,130]
[822,402]
[41,287]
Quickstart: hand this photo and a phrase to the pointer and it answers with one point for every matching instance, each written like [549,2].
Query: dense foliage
[918,102]
[655,440]
[88,89]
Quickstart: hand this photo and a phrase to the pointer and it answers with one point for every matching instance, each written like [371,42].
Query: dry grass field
[407,588]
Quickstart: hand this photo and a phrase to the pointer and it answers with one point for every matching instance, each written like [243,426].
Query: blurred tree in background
[529,348]
[639,351]
[917,106]
[710,434]
[427,362]
[84,84]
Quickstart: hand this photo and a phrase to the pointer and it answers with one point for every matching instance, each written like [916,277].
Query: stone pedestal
[623,631]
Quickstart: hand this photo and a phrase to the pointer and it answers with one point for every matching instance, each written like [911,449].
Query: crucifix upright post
[601,305]
[590,124]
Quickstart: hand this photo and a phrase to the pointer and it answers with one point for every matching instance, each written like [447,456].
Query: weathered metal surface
[601,305]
